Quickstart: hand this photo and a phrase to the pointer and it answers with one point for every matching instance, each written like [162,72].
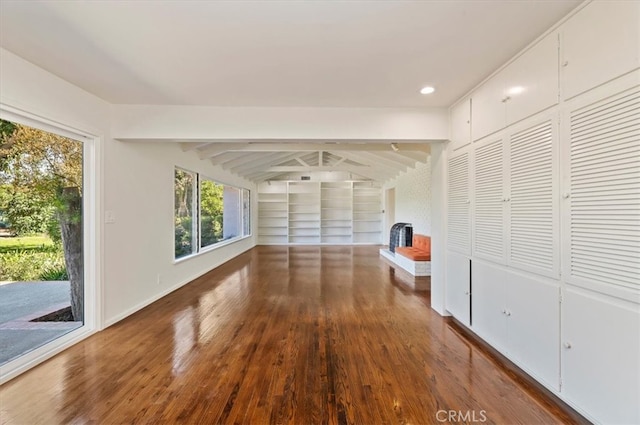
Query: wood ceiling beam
[225,157]
[216,148]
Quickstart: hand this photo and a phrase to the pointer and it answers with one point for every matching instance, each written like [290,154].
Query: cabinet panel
[489,201]
[532,80]
[533,327]
[488,107]
[533,200]
[458,287]
[458,204]
[601,357]
[604,196]
[489,304]
[599,43]
[461,124]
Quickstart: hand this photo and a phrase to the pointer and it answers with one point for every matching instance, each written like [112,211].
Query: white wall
[413,197]
[152,122]
[139,265]
[134,181]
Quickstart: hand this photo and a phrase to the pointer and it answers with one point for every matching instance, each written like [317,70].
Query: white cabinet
[526,86]
[601,194]
[458,204]
[489,304]
[601,356]
[599,43]
[515,218]
[531,81]
[519,316]
[461,124]
[553,178]
[458,288]
[490,200]
[487,107]
[533,196]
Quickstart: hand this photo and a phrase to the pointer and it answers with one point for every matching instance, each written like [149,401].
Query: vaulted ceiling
[341,54]
[259,161]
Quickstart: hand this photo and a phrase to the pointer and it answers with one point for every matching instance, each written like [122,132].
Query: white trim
[93,242]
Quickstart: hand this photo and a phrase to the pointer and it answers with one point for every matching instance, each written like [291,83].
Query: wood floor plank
[281,335]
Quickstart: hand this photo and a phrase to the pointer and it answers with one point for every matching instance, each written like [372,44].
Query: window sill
[210,248]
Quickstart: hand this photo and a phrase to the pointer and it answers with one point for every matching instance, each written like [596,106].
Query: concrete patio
[21,302]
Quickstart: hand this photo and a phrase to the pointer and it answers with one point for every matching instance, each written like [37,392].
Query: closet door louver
[605,192]
[533,232]
[488,228]
[458,217]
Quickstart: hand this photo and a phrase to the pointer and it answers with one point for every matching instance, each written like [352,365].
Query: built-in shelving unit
[367,212]
[304,212]
[336,200]
[273,211]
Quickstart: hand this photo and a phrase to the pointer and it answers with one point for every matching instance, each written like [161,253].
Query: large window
[42,238]
[207,213]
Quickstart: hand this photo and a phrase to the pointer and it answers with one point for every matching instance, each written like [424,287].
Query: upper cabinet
[461,124]
[488,110]
[599,43]
[526,86]
[531,81]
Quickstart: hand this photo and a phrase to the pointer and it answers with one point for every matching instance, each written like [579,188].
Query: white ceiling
[279,54]
[274,53]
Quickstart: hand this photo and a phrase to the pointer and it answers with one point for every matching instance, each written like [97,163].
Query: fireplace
[401,235]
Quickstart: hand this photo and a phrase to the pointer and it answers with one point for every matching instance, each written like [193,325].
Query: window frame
[197,215]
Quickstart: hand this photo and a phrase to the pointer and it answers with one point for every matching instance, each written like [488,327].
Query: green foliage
[183,237]
[27,213]
[55,272]
[26,265]
[211,210]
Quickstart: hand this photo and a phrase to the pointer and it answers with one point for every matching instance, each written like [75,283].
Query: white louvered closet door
[458,204]
[604,195]
[534,237]
[489,200]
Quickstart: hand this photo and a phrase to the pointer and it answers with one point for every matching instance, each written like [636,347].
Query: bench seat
[414,254]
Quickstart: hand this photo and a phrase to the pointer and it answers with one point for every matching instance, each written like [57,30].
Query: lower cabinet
[520,317]
[458,288]
[601,356]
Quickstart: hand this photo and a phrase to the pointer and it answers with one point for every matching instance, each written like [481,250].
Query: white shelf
[320,212]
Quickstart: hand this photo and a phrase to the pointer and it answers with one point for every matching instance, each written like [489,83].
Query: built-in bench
[415,259]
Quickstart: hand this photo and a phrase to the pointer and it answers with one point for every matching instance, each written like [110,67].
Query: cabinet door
[489,201]
[458,289]
[488,107]
[533,201]
[601,356]
[533,327]
[458,204]
[488,301]
[461,124]
[603,200]
[601,42]
[531,81]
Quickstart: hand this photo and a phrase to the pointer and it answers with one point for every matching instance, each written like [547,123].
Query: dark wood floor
[300,335]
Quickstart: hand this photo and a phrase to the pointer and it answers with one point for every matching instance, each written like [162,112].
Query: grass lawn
[24,243]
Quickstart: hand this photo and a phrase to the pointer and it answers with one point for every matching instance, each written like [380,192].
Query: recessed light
[427,90]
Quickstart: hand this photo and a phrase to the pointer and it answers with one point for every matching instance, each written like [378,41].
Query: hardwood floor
[300,335]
